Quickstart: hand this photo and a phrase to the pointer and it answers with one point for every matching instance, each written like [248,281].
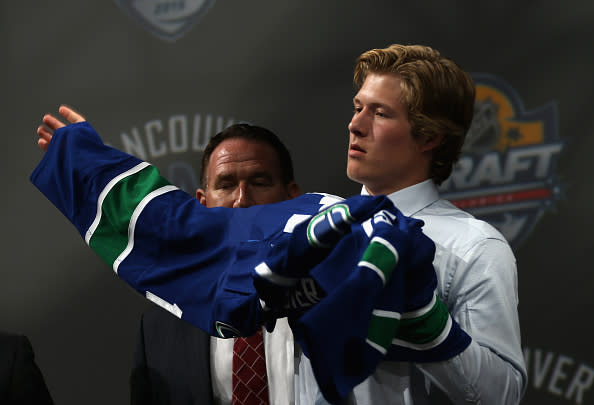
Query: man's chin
[354,174]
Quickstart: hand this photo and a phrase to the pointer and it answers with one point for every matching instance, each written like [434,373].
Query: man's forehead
[380,90]
[239,149]
[245,155]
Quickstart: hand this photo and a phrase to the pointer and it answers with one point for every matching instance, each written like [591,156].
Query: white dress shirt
[477,280]
[279,352]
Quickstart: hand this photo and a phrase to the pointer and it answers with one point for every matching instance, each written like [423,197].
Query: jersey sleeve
[194,261]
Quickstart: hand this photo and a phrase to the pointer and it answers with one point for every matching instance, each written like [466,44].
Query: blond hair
[438,94]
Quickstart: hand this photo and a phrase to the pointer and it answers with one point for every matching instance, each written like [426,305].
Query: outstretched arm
[51,123]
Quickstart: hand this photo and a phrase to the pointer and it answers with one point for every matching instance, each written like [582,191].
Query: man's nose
[242,197]
[357,124]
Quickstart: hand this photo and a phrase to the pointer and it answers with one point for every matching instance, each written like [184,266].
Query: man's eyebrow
[373,105]
[223,177]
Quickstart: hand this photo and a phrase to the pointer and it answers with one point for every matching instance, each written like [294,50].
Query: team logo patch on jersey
[326,228]
[226,331]
[506,174]
[166,19]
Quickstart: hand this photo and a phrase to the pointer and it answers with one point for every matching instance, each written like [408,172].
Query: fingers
[66,112]
[52,122]
[43,144]
[71,115]
[44,133]
[45,136]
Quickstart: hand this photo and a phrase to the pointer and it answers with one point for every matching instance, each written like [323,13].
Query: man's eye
[357,110]
[380,114]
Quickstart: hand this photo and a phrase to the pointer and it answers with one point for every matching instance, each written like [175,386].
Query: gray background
[286,65]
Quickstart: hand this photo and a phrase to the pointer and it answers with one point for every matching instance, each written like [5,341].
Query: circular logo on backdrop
[166,19]
[506,173]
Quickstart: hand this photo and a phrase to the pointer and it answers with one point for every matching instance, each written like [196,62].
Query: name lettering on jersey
[305,294]
[506,174]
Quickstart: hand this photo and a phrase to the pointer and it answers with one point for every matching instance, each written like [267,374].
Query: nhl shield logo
[166,19]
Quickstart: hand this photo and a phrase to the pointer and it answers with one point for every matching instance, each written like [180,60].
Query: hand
[52,123]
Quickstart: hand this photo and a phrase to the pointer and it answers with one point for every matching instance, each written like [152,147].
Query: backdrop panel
[161,91]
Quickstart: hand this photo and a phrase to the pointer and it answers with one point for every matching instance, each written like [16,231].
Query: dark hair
[252,133]
[439,96]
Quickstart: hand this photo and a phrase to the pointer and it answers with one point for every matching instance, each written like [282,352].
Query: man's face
[242,173]
[382,153]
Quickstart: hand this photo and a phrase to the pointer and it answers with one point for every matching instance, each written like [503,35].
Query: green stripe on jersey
[382,329]
[111,236]
[382,255]
[425,328]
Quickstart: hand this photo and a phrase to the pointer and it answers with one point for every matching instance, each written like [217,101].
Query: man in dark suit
[242,166]
[21,381]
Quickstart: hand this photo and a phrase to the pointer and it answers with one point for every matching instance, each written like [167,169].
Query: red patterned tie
[250,385]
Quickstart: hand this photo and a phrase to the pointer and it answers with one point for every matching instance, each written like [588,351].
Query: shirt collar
[411,200]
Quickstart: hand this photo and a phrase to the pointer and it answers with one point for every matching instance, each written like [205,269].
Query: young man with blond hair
[412,110]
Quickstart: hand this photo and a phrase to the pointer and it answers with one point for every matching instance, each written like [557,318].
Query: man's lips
[356,150]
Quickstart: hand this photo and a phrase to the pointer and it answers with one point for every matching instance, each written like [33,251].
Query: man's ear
[431,142]
[293,190]
[201,196]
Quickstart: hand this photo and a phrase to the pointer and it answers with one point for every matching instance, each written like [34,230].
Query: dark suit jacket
[21,381]
[172,362]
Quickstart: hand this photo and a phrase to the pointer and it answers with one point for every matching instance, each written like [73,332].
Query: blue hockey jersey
[354,276]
